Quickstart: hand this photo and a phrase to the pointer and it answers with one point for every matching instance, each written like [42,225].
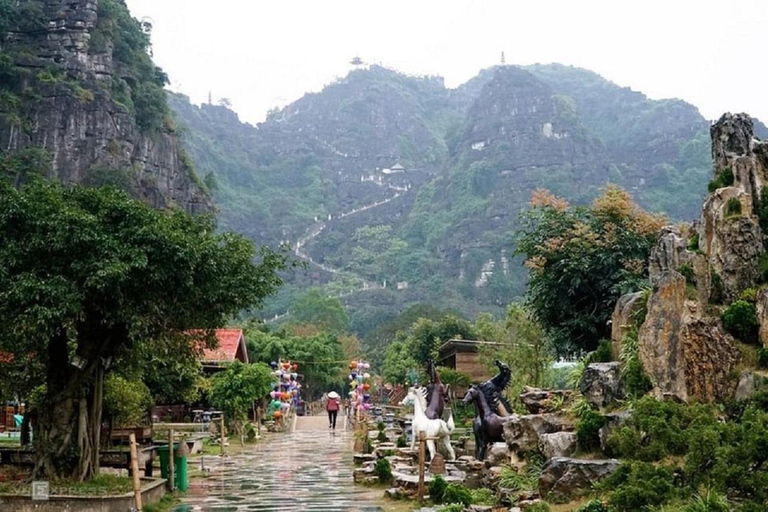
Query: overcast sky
[261,53]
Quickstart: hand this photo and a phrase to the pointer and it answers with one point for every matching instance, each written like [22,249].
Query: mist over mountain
[410,191]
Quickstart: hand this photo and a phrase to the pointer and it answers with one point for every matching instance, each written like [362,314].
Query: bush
[587,431]
[593,506]
[382,437]
[762,266]
[716,290]
[762,358]
[602,354]
[483,496]
[638,486]
[693,243]
[456,493]
[687,271]
[381,426]
[749,295]
[709,502]
[538,507]
[437,489]
[453,507]
[740,319]
[724,179]
[733,207]
[402,442]
[383,470]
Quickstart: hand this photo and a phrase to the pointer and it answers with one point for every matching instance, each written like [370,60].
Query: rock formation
[695,272]
[69,108]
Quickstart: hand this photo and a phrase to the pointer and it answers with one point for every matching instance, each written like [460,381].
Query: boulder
[612,421]
[497,455]
[543,400]
[601,384]
[564,479]
[685,352]
[522,432]
[749,384]
[558,444]
[624,318]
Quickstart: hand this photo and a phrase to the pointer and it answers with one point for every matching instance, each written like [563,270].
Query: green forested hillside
[440,230]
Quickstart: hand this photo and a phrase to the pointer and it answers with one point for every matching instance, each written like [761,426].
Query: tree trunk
[68,432]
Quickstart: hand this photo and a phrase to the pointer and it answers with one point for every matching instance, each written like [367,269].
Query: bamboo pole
[221,438]
[422,463]
[135,471]
[171,460]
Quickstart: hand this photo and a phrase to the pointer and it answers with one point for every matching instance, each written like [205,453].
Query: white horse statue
[434,428]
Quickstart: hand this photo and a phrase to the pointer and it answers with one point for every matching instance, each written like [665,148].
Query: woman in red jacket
[332,406]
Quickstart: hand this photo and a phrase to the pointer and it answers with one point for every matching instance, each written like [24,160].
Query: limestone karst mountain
[702,273]
[78,87]
[320,171]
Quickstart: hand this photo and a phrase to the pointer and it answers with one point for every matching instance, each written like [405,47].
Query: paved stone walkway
[309,469]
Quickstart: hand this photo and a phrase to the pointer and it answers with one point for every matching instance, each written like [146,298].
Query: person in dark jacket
[332,406]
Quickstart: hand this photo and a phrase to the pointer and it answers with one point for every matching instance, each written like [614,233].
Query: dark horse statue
[493,393]
[437,392]
[491,425]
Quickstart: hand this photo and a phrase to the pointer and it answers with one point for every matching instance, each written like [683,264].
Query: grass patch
[167,502]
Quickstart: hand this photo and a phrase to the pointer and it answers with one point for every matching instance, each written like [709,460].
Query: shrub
[381,426]
[602,354]
[724,179]
[437,489]
[383,470]
[687,271]
[587,431]
[762,266]
[382,437]
[638,486]
[749,295]
[483,496]
[593,506]
[710,502]
[402,442]
[733,207]
[740,319]
[456,493]
[453,507]
[538,507]
[762,358]
[693,243]
[762,209]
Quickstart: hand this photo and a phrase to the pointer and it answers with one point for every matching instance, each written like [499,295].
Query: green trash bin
[162,451]
[180,474]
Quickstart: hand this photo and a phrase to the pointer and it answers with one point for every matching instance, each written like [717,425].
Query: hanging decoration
[286,389]
[359,397]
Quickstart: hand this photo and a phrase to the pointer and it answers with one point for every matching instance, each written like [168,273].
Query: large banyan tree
[89,277]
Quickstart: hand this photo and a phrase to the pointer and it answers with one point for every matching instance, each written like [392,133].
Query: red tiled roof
[229,342]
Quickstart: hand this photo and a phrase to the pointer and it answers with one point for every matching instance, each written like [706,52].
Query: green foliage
[687,271]
[602,354]
[717,290]
[749,295]
[383,470]
[724,179]
[457,493]
[437,488]
[762,209]
[693,243]
[593,506]
[92,271]
[639,485]
[583,259]
[711,501]
[402,442]
[381,437]
[234,390]
[526,479]
[452,507]
[398,363]
[525,347]
[126,402]
[316,309]
[483,496]
[541,506]
[733,207]
[588,428]
[762,358]
[740,319]
[145,98]
[636,381]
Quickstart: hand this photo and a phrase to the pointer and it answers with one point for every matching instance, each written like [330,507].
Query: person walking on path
[332,406]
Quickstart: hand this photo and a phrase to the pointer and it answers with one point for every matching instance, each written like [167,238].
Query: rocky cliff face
[66,70]
[696,271]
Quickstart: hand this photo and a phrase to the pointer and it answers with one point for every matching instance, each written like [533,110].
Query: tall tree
[582,260]
[88,276]
[317,309]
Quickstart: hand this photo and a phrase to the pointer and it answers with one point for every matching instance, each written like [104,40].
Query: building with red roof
[231,348]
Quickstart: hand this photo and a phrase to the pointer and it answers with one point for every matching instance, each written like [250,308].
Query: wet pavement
[309,469]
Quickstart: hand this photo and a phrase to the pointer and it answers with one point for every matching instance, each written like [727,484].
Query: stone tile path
[307,470]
